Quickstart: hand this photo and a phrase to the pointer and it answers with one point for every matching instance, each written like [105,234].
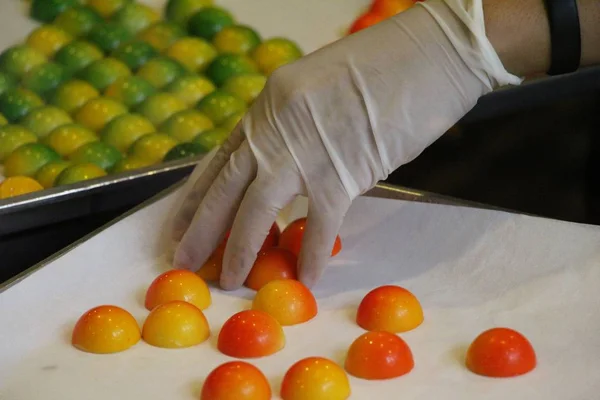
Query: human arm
[336,122]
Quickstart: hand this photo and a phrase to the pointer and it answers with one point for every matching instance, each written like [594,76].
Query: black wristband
[565,36]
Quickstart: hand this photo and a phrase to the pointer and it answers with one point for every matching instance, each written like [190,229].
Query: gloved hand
[333,124]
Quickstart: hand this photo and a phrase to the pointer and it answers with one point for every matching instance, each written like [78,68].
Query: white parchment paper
[471,269]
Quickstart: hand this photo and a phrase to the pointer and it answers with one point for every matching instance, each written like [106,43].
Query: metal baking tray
[116,192]
[111,192]
[129,189]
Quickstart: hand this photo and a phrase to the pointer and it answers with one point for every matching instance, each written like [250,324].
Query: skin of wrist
[520,34]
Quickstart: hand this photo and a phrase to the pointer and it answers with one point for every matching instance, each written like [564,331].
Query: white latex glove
[333,124]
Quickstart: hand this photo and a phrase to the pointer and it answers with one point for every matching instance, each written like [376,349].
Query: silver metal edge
[382,190]
[62,193]
[394,192]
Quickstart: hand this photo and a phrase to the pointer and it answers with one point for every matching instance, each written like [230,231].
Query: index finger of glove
[185,214]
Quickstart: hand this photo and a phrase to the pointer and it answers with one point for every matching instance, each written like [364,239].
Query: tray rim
[84,188]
